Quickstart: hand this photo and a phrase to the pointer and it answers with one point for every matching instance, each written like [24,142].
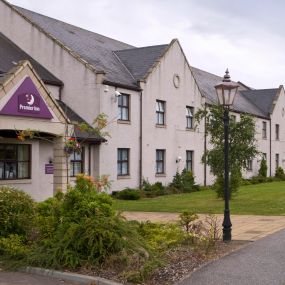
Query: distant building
[150,95]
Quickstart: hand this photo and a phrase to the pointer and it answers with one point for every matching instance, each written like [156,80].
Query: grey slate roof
[75,118]
[11,54]
[103,53]
[262,98]
[139,60]
[255,102]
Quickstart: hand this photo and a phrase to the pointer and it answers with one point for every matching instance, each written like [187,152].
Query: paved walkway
[259,263]
[244,227]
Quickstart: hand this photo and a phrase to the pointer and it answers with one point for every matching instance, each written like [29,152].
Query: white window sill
[160,126]
[160,175]
[123,177]
[124,122]
[14,181]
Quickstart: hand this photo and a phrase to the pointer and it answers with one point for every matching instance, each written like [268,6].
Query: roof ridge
[137,48]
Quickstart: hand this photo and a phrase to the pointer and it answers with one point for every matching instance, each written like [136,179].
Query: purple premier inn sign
[27,102]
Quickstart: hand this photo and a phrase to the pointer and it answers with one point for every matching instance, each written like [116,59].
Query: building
[150,95]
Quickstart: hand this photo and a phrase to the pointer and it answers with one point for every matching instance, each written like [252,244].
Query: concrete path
[245,227]
[259,263]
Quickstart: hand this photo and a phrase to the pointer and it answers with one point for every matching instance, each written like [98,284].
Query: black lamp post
[226,92]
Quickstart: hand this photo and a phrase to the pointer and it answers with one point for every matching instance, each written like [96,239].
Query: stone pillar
[60,161]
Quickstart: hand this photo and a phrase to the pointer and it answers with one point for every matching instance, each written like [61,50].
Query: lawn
[259,199]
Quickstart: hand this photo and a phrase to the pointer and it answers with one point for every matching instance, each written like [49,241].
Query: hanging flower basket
[72,145]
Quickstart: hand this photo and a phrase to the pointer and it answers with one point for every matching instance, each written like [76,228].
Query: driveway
[259,263]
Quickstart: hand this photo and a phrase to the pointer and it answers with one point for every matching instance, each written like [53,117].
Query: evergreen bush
[279,173]
[263,168]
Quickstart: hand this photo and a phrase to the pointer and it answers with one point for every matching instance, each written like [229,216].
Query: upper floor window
[15,161]
[124,107]
[189,160]
[189,117]
[160,112]
[76,163]
[160,161]
[277,131]
[123,161]
[264,131]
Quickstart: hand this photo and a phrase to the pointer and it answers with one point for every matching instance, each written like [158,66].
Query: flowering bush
[72,145]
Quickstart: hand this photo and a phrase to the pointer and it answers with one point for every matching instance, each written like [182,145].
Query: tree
[263,168]
[242,146]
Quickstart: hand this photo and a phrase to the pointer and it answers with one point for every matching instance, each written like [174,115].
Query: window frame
[160,161]
[17,161]
[121,162]
[264,130]
[121,107]
[72,162]
[189,118]
[160,113]
[191,160]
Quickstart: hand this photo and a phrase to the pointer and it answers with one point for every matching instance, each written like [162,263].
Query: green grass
[259,199]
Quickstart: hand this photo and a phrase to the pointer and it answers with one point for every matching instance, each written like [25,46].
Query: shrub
[13,246]
[80,228]
[279,173]
[128,194]
[153,190]
[258,179]
[263,168]
[187,219]
[184,182]
[17,212]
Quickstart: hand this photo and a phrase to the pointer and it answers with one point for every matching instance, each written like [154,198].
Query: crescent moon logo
[30,99]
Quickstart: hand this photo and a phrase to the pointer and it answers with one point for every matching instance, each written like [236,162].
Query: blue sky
[245,36]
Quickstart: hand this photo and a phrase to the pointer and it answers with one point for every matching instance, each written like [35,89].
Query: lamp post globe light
[226,92]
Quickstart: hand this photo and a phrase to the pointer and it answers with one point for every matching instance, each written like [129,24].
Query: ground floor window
[76,163]
[160,161]
[123,161]
[249,165]
[15,161]
[189,160]
[276,160]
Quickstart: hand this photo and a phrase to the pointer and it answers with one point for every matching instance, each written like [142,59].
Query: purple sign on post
[27,102]
[49,168]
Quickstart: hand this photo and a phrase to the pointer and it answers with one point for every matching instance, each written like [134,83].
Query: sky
[246,36]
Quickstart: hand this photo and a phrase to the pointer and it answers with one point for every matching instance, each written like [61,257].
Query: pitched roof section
[262,98]
[255,102]
[139,60]
[12,54]
[96,49]
[75,118]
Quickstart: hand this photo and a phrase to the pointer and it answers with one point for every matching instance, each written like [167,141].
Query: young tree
[242,146]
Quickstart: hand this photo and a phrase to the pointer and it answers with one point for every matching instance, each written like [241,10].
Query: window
[189,160]
[76,163]
[264,132]
[249,165]
[276,160]
[264,156]
[123,161]
[124,106]
[160,112]
[15,161]
[160,161]
[189,117]
[233,118]
[277,132]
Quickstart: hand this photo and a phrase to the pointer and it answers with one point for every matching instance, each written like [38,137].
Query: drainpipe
[140,143]
[89,159]
[60,92]
[205,149]
[270,147]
